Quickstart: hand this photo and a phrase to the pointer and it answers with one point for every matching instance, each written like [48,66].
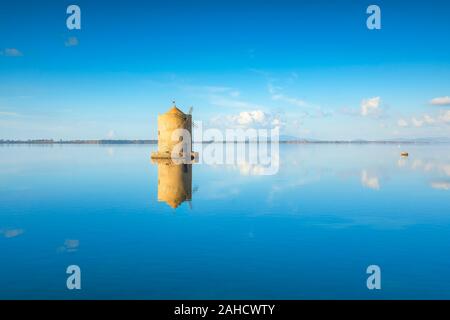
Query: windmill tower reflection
[174,182]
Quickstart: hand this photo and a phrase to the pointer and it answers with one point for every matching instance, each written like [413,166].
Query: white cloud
[428,120]
[251,116]
[248,119]
[370,106]
[445,117]
[11,52]
[417,122]
[252,119]
[440,101]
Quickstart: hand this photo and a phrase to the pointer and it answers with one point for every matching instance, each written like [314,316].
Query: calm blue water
[309,231]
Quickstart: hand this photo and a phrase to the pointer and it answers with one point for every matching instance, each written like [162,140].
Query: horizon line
[155,141]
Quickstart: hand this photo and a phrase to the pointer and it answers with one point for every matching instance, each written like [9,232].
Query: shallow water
[309,231]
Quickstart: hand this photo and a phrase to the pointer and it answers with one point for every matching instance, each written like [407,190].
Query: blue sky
[313,69]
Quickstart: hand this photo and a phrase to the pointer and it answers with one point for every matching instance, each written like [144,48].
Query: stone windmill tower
[170,138]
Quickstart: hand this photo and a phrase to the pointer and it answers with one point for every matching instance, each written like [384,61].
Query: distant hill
[289,138]
[426,140]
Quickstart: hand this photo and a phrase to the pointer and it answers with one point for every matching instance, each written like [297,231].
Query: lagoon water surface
[307,232]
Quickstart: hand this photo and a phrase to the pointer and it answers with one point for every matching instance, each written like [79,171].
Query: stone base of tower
[183,158]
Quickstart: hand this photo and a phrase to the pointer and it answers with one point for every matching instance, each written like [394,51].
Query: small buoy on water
[404,154]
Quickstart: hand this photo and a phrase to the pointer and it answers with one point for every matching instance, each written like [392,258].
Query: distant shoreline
[152,142]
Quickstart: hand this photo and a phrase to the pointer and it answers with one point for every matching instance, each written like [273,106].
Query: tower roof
[175,110]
